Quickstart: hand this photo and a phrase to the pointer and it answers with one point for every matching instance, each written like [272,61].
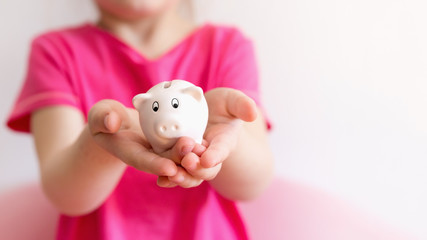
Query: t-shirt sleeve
[239,69]
[46,83]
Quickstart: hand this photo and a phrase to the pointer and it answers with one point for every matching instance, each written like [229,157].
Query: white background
[344,83]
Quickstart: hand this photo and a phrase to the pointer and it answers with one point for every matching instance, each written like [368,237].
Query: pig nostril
[175,127]
[163,128]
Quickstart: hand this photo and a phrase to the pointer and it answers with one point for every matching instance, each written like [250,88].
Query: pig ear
[194,91]
[139,99]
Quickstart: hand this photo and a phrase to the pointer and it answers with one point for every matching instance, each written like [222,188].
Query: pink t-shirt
[82,65]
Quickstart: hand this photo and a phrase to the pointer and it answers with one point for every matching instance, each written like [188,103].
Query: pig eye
[175,103]
[155,106]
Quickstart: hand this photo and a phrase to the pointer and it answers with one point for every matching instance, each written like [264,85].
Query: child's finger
[185,180]
[191,163]
[131,151]
[218,150]
[163,181]
[199,149]
[107,116]
[183,146]
[152,163]
[240,106]
[205,143]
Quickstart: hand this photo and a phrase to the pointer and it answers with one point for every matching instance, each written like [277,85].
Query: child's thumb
[107,116]
[241,106]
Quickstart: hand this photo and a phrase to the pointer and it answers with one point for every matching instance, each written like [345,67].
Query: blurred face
[134,8]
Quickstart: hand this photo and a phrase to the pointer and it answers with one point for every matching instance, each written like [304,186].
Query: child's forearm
[249,168]
[82,176]
[77,175]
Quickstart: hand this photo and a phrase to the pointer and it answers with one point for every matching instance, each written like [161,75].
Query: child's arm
[76,174]
[79,163]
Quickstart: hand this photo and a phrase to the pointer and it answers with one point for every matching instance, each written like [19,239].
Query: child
[96,165]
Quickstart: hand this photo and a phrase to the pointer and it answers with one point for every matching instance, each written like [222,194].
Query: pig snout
[168,128]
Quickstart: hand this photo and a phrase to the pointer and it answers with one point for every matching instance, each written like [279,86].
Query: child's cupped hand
[227,109]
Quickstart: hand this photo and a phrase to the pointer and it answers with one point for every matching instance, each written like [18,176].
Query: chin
[134,8]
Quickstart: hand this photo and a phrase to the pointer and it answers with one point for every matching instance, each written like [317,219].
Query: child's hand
[227,107]
[116,129]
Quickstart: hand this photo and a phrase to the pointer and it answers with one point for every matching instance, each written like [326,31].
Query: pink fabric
[80,66]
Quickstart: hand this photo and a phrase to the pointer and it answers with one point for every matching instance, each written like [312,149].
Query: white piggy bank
[170,110]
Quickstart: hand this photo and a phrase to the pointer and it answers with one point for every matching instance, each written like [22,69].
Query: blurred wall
[344,83]
[20,21]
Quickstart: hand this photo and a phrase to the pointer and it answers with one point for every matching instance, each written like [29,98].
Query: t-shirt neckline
[140,57]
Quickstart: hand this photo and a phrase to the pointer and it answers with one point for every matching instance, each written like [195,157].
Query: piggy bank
[170,110]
